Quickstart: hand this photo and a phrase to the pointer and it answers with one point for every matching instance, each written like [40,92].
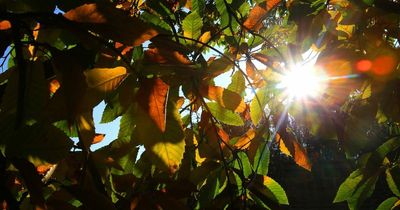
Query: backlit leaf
[224,115]
[218,66]
[269,188]
[192,25]
[152,97]
[388,204]
[245,140]
[258,104]
[224,97]
[258,14]
[238,84]
[291,147]
[166,147]
[261,159]
[393,180]
[111,23]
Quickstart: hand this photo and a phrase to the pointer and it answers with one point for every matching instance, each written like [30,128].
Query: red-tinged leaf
[152,97]
[5,24]
[224,97]
[291,147]
[245,140]
[112,23]
[258,14]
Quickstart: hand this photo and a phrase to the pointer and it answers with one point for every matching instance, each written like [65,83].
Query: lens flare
[303,81]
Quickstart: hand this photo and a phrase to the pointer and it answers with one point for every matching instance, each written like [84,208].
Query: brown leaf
[224,97]
[261,58]
[86,129]
[258,14]
[291,147]
[152,97]
[112,23]
[164,55]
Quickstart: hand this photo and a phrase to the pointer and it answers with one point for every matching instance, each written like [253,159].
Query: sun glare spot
[303,81]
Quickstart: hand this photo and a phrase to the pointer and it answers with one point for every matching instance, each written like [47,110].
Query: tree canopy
[205,145]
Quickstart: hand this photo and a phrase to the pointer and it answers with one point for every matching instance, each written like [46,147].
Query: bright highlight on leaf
[303,81]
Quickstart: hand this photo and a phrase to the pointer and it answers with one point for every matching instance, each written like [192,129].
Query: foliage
[205,145]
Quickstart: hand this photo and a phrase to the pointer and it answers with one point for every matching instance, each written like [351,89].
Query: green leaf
[363,192]
[223,11]
[388,204]
[111,112]
[356,188]
[348,187]
[257,106]
[261,159]
[198,6]
[224,115]
[127,122]
[377,157]
[192,25]
[238,83]
[393,180]
[211,188]
[156,21]
[242,163]
[266,186]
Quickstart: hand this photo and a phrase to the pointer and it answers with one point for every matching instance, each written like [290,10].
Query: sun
[303,81]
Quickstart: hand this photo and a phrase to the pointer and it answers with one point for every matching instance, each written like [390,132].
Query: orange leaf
[258,14]
[224,97]
[54,85]
[251,71]
[152,97]
[112,23]
[5,24]
[245,140]
[291,147]
[98,138]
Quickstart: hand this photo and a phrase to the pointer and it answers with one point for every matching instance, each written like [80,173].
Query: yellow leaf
[291,147]
[224,97]
[105,79]
[204,38]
